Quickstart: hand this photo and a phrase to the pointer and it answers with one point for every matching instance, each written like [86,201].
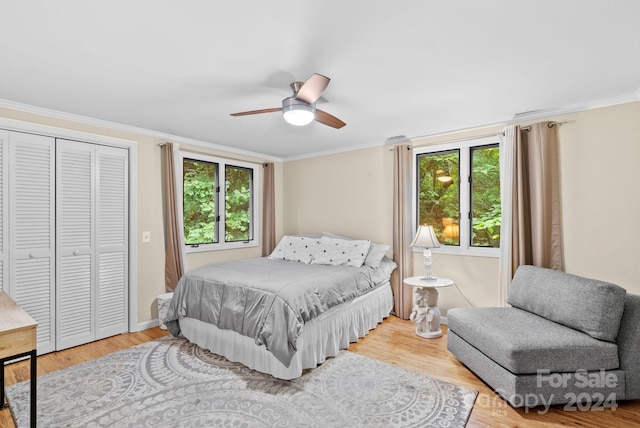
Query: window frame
[254,240]
[464,147]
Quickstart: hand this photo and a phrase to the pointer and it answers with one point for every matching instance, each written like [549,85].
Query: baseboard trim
[145,325]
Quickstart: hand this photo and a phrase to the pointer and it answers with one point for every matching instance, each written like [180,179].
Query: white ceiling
[409,68]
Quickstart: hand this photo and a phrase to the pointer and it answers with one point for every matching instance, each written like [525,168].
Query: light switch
[146,236]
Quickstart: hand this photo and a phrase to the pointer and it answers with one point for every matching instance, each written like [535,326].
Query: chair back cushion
[588,305]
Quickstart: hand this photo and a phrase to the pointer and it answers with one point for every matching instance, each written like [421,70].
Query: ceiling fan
[300,109]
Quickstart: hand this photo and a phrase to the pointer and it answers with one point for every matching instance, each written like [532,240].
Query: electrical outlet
[146,236]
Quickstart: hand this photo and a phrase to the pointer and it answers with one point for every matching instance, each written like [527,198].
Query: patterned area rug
[172,383]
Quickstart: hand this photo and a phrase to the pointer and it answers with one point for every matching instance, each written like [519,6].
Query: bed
[287,312]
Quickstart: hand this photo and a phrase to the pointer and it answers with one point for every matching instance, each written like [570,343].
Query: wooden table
[425,313]
[17,340]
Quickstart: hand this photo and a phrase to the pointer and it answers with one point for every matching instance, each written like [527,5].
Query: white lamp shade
[425,238]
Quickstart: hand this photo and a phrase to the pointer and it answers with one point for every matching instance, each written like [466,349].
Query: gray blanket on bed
[269,299]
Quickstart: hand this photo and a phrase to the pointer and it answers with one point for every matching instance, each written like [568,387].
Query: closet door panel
[4,213]
[32,230]
[112,207]
[75,242]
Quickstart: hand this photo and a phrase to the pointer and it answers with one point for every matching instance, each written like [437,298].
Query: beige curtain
[173,263]
[268,210]
[536,228]
[403,297]
[507,173]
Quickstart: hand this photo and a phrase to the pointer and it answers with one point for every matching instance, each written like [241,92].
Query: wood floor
[394,342]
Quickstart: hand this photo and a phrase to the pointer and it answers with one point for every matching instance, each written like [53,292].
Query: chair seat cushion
[525,343]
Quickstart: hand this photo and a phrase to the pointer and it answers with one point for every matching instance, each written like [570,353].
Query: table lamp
[426,238]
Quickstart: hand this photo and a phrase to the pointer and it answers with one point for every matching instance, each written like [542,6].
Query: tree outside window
[439,194]
[199,201]
[207,223]
[238,203]
[486,213]
[458,193]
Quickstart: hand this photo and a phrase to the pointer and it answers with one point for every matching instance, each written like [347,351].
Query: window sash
[442,164]
[215,205]
[472,203]
[249,208]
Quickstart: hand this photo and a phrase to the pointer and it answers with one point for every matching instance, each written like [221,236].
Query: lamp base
[427,267]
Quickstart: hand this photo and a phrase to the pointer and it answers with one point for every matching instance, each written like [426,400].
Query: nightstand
[425,312]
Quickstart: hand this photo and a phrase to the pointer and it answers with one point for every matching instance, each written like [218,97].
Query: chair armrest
[628,342]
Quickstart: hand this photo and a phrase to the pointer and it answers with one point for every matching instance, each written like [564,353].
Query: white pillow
[295,249]
[375,255]
[376,251]
[336,236]
[335,252]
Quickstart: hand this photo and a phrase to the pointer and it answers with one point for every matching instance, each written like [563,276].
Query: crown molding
[517,118]
[85,120]
[524,117]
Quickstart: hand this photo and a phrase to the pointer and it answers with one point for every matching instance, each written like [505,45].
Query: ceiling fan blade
[264,110]
[313,88]
[329,120]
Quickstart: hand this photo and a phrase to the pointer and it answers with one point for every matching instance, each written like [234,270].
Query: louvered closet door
[112,207]
[75,243]
[32,230]
[92,242]
[4,211]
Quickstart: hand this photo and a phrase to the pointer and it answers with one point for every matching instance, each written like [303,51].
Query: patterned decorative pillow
[335,252]
[376,251]
[295,249]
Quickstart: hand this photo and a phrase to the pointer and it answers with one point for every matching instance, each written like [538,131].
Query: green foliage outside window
[238,203]
[486,212]
[439,195]
[199,191]
[200,205]
[439,192]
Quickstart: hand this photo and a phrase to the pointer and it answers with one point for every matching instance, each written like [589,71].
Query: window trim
[464,147]
[254,240]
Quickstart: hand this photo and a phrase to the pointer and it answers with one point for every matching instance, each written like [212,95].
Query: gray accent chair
[564,336]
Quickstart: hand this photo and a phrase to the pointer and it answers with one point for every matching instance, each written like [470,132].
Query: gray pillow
[588,305]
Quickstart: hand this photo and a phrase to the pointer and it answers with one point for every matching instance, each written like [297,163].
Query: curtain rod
[222,156]
[526,128]
[550,125]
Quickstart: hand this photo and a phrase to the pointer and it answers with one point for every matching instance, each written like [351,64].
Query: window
[218,197]
[458,193]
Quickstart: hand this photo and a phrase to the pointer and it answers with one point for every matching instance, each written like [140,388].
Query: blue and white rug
[172,383]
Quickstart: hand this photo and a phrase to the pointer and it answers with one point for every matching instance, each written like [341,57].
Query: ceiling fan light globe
[298,117]
[297,112]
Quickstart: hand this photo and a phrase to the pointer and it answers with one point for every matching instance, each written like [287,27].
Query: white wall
[347,193]
[600,175]
[351,193]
